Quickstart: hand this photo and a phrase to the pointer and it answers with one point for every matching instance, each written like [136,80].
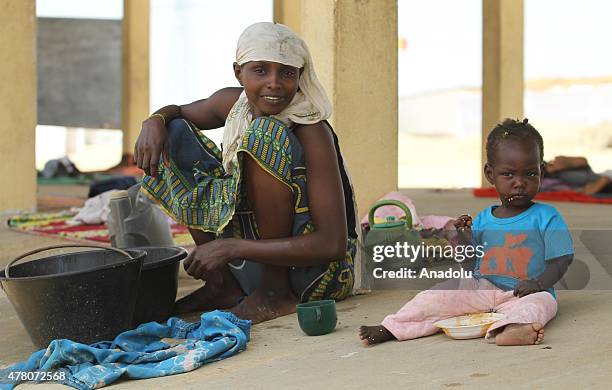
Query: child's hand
[464,222]
[527,287]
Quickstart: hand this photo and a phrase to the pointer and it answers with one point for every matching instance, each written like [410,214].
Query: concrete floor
[575,353]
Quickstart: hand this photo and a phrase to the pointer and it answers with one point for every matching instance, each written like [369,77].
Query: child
[527,249]
[279,175]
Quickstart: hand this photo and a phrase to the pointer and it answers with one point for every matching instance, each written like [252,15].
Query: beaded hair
[513,129]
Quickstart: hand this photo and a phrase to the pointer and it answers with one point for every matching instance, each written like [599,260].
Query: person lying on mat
[526,248]
[575,172]
[273,213]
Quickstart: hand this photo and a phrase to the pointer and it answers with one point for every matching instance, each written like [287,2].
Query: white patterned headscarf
[275,43]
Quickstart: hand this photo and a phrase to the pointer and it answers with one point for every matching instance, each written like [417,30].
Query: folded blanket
[149,351]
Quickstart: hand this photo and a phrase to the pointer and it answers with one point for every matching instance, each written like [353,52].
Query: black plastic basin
[84,296]
[158,284]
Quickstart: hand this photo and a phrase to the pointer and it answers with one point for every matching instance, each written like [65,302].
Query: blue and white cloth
[149,351]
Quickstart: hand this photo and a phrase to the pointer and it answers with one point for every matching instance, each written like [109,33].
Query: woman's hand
[151,143]
[205,259]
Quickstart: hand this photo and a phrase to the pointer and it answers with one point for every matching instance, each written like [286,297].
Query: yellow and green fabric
[195,190]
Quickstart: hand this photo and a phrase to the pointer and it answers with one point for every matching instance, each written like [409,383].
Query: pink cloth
[457,297]
[429,221]
[437,222]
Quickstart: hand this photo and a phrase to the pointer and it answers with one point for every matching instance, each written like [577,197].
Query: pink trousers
[467,296]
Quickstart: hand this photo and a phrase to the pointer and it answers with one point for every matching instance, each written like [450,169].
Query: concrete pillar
[354,49]
[502,76]
[18,104]
[135,70]
[289,13]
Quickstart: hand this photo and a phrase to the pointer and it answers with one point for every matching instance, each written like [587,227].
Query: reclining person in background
[575,173]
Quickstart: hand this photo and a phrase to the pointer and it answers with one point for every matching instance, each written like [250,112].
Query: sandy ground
[575,353]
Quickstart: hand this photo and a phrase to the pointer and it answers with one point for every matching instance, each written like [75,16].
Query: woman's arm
[211,113]
[205,114]
[326,205]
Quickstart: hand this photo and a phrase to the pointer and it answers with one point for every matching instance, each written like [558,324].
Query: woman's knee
[266,149]
[266,134]
[184,147]
[177,128]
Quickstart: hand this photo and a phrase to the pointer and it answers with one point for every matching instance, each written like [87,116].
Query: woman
[277,196]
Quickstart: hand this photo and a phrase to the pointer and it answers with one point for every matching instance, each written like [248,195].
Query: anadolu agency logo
[404,260]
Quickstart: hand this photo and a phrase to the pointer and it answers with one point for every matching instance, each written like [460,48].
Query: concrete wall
[289,13]
[354,48]
[135,70]
[79,72]
[502,67]
[18,104]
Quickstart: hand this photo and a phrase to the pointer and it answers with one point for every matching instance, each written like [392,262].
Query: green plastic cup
[317,317]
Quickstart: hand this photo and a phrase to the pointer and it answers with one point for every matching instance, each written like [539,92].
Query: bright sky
[443,45]
[193,45]
[567,38]
[191,58]
[563,38]
[89,9]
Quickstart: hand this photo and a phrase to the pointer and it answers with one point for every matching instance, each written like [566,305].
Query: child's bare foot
[371,335]
[521,334]
[264,305]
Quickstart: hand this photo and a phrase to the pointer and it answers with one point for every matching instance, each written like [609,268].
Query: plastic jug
[134,221]
[389,233]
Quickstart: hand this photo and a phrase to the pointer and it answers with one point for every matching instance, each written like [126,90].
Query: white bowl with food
[469,326]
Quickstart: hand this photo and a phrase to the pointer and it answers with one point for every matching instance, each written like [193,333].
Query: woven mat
[56,225]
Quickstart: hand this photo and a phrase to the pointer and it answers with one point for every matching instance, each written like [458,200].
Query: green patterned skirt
[196,191]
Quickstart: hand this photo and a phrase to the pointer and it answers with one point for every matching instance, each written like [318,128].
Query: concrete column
[135,70]
[502,76]
[288,12]
[18,104]
[354,49]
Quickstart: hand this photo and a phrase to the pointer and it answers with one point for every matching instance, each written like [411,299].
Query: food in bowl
[469,326]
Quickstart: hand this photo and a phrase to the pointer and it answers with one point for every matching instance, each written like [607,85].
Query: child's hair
[511,128]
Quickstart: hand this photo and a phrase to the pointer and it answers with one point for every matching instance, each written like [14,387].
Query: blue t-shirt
[517,248]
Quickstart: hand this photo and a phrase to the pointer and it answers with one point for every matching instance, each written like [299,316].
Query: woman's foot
[220,292]
[264,305]
[596,186]
[521,334]
[371,335]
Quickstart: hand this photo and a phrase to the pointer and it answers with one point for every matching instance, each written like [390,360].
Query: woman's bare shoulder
[320,131]
[224,99]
